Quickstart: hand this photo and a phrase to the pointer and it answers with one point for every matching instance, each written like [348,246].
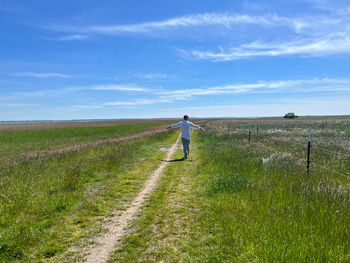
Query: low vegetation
[240,202]
[232,201]
[15,142]
[271,211]
[53,202]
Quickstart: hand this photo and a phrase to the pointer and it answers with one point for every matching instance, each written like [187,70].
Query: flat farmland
[53,173]
[15,138]
[244,195]
[237,201]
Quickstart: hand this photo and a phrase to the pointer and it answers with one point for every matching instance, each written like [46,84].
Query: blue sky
[152,59]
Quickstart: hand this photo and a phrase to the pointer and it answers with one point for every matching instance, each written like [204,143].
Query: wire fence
[312,150]
[332,152]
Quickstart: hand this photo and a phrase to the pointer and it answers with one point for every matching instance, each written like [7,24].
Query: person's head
[186,117]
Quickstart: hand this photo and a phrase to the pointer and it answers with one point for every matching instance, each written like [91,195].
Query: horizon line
[163,118]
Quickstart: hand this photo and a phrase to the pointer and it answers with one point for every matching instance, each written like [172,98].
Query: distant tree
[290,115]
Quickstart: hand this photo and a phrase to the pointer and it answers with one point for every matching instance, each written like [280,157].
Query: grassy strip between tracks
[228,206]
[52,203]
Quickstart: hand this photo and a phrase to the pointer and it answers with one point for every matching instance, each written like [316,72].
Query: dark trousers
[186,145]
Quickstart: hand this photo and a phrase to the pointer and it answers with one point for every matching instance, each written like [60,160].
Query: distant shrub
[290,115]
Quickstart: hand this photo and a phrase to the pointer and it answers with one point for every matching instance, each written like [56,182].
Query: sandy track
[118,225]
[76,147]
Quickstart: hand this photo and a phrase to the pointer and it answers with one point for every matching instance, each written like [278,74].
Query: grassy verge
[229,206]
[50,204]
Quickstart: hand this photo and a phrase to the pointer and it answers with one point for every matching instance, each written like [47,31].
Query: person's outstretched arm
[176,125]
[197,127]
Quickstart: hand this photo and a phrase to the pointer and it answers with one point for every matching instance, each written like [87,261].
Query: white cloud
[19,105]
[315,106]
[301,86]
[318,34]
[70,37]
[315,34]
[130,103]
[312,23]
[42,75]
[306,47]
[195,20]
[151,75]
[121,87]
[44,93]
[88,106]
[48,93]
[325,85]
[206,19]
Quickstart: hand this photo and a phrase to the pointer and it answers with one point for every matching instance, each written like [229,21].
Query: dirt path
[118,225]
[76,147]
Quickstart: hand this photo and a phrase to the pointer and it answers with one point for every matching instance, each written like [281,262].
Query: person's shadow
[175,160]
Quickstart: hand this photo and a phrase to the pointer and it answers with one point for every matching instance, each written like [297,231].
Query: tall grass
[270,212]
[240,202]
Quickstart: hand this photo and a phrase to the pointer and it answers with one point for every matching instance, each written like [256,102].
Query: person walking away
[186,127]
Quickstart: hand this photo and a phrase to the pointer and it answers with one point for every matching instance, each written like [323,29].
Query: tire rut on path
[118,225]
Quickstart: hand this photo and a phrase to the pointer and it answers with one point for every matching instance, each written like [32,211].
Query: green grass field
[48,203]
[232,201]
[15,143]
[240,202]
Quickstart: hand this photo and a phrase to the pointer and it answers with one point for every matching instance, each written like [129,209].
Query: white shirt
[186,128]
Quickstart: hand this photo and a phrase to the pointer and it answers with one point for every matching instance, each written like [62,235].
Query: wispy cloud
[67,91]
[307,47]
[151,75]
[195,20]
[313,35]
[326,85]
[316,106]
[39,94]
[42,75]
[307,35]
[120,87]
[130,103]
[19,105]
[300,86]
[226,20]
[312,23]
[88,106]
[72,37]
